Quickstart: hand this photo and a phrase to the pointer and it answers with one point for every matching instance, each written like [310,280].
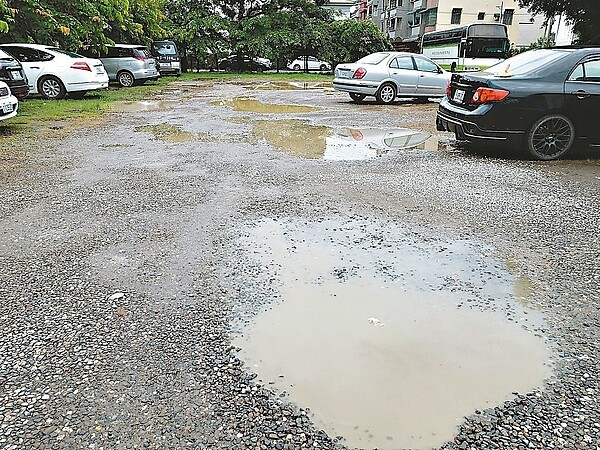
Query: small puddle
[299,138]
[390,341]
[252,105]
[289,86]
[150,105]
[167,132]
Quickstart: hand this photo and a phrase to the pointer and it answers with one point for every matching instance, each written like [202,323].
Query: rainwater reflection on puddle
[298,138]
[252,105]
[369,335]
[146,105]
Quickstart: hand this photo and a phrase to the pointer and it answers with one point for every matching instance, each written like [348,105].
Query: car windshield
[374,58]
[65,52]
[4,55]
[525,62]
[164,48]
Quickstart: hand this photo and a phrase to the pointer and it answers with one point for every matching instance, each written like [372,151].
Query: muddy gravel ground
[123,279]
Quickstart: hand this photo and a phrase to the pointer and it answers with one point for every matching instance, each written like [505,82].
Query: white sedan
[54,73]
[301,62]
[389,75]
[8,102]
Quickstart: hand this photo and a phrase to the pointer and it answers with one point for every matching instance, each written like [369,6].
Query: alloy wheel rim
[552,137]
[126,79]
[387,94]
[51,88]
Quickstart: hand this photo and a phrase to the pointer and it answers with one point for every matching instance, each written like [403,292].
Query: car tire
[323,68]
[125,78]
[550,137]
[357,97]
[51,88]
[77,94]
[386,94]
[296,67]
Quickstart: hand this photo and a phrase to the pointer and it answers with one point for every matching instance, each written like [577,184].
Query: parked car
[54,73]
[313,63]
[543,100]
[389,75]
[127,64]
[244,62]
[167,57]
[8,102]
[11,73]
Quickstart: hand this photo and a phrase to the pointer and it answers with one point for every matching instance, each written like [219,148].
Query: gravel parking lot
[130,265]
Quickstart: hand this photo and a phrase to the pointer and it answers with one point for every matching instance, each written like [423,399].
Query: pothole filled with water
[167,132]
[299,138]
[390,339]
[252,105]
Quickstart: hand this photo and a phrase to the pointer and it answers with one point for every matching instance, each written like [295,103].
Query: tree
[352,39]
[584,15]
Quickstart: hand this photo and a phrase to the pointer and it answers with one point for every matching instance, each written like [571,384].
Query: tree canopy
[206,29]
[584,15]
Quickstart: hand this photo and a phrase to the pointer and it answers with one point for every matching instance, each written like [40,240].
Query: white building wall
[524,30]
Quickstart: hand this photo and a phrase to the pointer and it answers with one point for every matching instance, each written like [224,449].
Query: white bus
[469,47]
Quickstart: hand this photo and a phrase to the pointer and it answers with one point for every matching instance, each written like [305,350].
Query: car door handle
[34,67]
[581,94]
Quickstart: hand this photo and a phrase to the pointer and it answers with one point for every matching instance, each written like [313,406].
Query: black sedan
[241,63]
[11,72]
[542,100]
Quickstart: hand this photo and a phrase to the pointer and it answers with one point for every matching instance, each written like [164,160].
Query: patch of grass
[270,76]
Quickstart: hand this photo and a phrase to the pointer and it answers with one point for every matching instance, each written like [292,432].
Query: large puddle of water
[299,138]
[252,105]
[388,339]
[145,105]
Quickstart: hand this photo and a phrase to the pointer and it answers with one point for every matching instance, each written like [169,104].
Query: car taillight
[487,95]
[360,72]
[81,65]
[449,89]
[140,58]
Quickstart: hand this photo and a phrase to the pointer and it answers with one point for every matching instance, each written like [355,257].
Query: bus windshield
[486,48]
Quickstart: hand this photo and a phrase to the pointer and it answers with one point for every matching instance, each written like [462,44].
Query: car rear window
[526,62]
[164,48]
[142,52]
[374,58]
[65,52]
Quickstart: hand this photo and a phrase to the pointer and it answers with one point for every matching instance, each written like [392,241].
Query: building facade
[405,21]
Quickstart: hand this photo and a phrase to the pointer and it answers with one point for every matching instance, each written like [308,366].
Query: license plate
[459,96]
[7,108]
[166,64]
[16,75]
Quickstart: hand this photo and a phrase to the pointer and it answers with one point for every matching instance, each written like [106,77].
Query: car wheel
[52,88]
[323,68]
[386,94]
[296,66]
[550,137]
[125,79]
[77,94]
[357,97]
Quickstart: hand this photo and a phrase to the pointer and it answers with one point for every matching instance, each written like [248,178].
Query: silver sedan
[389,75]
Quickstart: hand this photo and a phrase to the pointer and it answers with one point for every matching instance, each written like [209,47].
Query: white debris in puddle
[376,322]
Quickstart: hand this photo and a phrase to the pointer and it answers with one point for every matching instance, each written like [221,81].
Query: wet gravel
[111,210]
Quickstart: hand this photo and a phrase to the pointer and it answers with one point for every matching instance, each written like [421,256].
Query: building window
[481,16]
[430,17]
[507,17]
[456,13]
[393,4]
[393,23]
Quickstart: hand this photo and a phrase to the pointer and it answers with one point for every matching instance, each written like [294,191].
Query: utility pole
[501,8]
